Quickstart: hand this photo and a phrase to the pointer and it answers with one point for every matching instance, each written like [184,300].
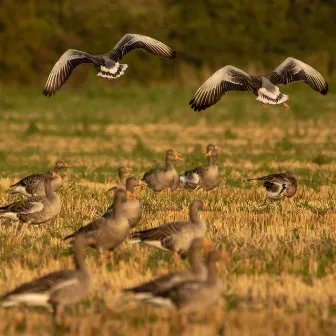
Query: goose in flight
[107,65]
[264,87]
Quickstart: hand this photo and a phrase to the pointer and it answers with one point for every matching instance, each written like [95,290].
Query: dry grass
[280,278]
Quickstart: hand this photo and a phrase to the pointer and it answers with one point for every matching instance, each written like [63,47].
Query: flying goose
[203,177]
[56,289]
[279,185]
[166,178]
[131,207]
[110,230]
[193,295]
[264,87]
[33,185]
[175,236]
[106,65]
[198,272]
[36,209]
[122,172]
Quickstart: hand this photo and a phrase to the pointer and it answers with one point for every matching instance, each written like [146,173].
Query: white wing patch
[30,299]
[10,215]
[155,243]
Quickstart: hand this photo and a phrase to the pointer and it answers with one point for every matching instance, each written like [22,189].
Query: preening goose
[193,295]
[264,87]
[108,231]
[175,236]
[279,185]
[36,209]
[56,289]
[131,207]
[197,272]
[204,177]
[166,178]
[122,172]
[33,185]
[106,65]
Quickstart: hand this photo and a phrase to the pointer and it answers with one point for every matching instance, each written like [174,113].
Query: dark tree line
[207,34]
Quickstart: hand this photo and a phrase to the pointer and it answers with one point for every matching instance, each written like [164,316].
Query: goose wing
[292,70]
[224,80]
[28,206]
[130,42]
[63,69]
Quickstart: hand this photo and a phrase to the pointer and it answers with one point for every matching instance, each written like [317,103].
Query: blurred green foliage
[207,34]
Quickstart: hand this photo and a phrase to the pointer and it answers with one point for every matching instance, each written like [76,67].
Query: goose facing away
[36,209]
[204,177]
[106,65]
[108,231]
[132,209]
[197,272]
[122,172]
[56,289]
[175,236]
[280,185]
[165,178]
[264,86]
[33,185]
[193,295]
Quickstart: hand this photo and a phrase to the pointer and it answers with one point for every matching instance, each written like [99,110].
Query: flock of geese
[190,289]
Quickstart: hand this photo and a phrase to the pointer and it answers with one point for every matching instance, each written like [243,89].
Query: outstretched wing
[63,69]
[130,42]
[224,80]
[292,70]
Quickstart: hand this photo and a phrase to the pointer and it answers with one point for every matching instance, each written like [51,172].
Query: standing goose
[204,177]
[264,87]
[36,209]
[197,272]
[193,295]
[56,289]
[279,185]
[106,65]
[33,185]
[175,236]
[110,230]
[132,209]
[122,172]
[166,178]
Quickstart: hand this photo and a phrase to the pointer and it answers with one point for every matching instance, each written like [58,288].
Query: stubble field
[280,277]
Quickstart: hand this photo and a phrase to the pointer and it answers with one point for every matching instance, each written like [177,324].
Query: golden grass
[280,278]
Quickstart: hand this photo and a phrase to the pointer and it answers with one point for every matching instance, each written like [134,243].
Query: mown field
[280,278]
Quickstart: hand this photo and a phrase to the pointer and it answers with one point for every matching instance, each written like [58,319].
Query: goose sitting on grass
[106,65]
[36,209]
[280,185]
[33,185]
[264,87]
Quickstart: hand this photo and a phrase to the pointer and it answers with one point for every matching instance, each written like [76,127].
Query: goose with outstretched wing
[264,87]
[107,65]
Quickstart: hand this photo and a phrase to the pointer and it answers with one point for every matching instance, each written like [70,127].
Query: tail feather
[114,72]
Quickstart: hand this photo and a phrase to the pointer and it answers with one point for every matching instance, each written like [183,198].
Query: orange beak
[209,153]
[207,243]
[128,170]
[178,158]
[54,175]
[66,165]
[217,147]
[142,183]
[205,207]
